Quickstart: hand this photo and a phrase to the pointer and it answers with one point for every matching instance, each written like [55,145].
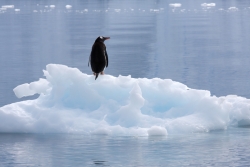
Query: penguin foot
[102,73]
[94,74]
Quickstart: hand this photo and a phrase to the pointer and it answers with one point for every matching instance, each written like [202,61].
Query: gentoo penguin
[98,57]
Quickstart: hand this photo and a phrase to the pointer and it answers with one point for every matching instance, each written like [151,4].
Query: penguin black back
[99,57]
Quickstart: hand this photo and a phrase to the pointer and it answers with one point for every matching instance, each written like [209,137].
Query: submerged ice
[73,102]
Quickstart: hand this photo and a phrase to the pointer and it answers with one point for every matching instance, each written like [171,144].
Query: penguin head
[101,39]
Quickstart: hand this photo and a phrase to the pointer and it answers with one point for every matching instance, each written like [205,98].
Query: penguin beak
[106,38]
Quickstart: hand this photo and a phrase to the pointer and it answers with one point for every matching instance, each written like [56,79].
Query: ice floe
[73,102]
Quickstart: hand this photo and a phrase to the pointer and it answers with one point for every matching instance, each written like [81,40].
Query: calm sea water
[202,47]
[227,148]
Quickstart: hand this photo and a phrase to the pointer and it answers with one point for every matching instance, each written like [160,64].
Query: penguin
[98,58]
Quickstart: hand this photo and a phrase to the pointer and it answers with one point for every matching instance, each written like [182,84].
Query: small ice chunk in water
[175,5]
[233,9]
[17,10]
[68,6]
[52,6]
[8,6]
[154,10]
[208,4]
[117,10]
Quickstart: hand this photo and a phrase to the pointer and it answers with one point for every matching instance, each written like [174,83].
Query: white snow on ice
[73,102]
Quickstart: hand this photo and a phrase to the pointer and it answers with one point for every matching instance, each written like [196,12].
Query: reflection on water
[221,148]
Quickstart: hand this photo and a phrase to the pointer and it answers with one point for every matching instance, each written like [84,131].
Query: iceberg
[74,102]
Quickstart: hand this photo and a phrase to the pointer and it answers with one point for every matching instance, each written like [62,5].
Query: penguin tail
[96,75]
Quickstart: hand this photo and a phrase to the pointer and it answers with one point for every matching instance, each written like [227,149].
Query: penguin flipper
[96,75]
[107,59]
